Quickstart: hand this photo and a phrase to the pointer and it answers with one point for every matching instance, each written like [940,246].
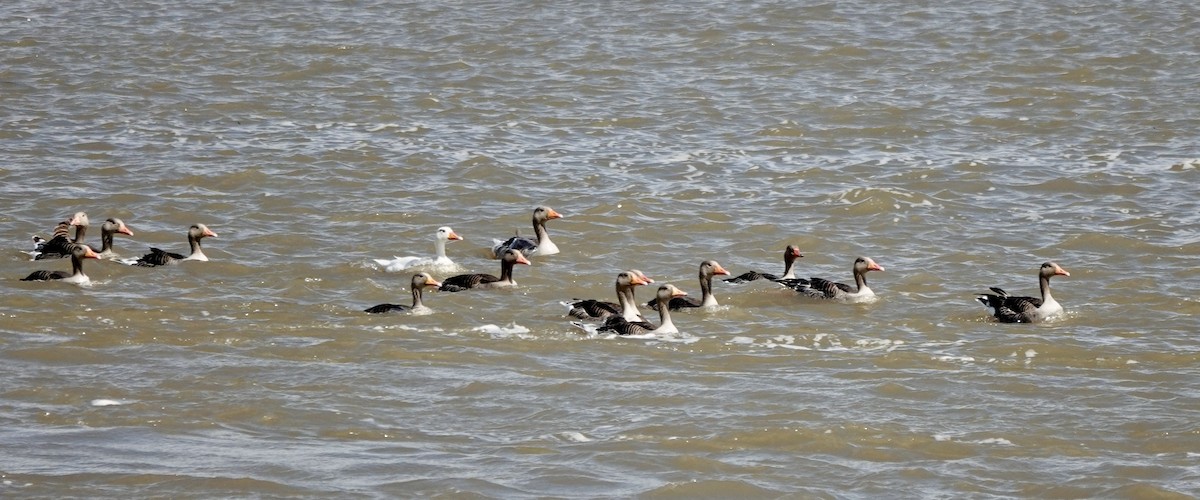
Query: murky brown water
[959,146]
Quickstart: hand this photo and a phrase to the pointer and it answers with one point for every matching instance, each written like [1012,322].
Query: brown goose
[529,246]
[621,326]
[1009,309]
[111,226]
[158,257]
[468,281]
[789,268]
[708,269]
[419,282]
[59,245]
[78,253]
[824,289]
[602,310]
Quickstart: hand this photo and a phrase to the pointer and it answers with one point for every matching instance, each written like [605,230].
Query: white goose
[443,235]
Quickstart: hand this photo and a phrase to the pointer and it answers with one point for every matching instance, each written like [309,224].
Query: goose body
[419,282]
[158,257]
[468,281]
[819,288]
[530,247]
[76,276]
[708,269]
[789,269]
[1009,309]
[443,235]
[621,326]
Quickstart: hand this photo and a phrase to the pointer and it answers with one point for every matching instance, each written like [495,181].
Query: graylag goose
[419,282]
[531,247]
[708,269]
[111,227]
[601,310]
[60,244]
[76,276]
[158,257]
[819,288]
[620,326]
[1008,309]
[789,268]
[468,281]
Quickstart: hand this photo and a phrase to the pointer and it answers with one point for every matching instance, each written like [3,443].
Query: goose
[708,268]
[108,229]
[59,245]
[440,238]
[602,310]
[158,257]
[78,253]
[468,281]
[1009,309]
[529,246]
[824,289]
[419,282]
[621,326]
[789,268]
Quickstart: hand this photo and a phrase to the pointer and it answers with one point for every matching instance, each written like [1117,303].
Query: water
[959,146]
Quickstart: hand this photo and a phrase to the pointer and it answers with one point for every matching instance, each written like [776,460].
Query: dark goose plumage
[532,247]
[76,276]
[708,269]
[621,326]
[1009,309]
[419,282]
[469,281]
[824,289]
[789,268]
[60,244]
[158,257]
[601,310]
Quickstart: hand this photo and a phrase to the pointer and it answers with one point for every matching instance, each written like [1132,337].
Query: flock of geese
[622,317]
[62,245]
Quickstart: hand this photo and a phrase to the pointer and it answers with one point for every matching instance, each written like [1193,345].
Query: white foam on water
[966,360]
[511,330]
[382,126]
[575,437]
